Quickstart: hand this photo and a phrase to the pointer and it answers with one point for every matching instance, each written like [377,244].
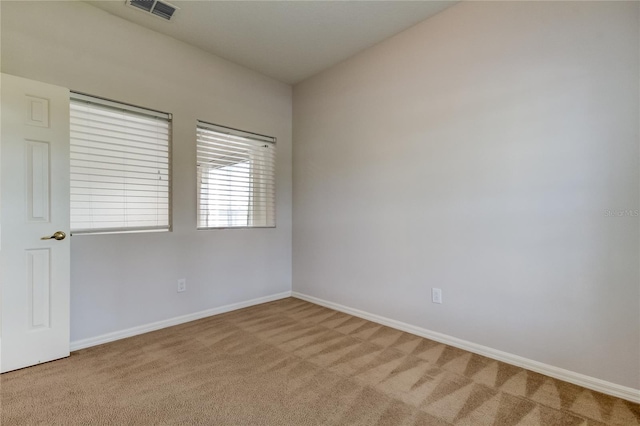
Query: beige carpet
[293,363]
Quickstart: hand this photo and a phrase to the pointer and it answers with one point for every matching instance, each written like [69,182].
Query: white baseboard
[134,331]
[588,382]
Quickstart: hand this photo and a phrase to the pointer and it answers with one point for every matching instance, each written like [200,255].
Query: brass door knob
[59,235]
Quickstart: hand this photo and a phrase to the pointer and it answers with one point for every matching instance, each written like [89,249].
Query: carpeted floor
[293,363]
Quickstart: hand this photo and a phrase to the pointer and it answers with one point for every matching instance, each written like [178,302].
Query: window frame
[257,137]
[140,111]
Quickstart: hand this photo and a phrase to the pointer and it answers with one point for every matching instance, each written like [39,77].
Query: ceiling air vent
[155,7]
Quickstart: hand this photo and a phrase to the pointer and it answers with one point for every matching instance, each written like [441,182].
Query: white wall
[122,281]
[478,152]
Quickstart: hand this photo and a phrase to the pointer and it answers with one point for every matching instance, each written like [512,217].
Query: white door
[34,203]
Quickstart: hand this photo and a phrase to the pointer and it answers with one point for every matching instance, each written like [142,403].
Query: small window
[120,174]
[236,176]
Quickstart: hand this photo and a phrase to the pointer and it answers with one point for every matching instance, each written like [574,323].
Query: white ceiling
[287,40]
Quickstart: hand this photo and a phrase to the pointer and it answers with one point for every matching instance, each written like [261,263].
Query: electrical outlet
[436,295]
[182,285]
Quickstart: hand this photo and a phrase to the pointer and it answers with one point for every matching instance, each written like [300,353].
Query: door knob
[59,235]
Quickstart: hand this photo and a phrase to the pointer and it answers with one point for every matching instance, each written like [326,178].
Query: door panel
[37,196]
[34,203]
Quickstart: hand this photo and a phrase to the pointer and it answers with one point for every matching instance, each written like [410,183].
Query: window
[120,174]
[236,177]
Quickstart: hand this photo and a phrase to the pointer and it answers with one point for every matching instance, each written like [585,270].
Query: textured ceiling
[287,40]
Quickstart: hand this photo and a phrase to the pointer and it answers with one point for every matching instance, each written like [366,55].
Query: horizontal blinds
[119,167]
[236,176]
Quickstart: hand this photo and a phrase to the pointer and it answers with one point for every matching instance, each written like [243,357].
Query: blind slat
[127,143]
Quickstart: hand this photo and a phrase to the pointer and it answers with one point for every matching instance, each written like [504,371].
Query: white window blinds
[119,167]
[236,176]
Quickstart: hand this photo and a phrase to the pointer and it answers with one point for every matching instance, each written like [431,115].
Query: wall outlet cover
[436,295]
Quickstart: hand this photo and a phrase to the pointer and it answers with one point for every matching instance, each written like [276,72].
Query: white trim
[141,329]
[588,382]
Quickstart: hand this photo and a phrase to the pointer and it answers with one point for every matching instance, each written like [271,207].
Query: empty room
[320,212]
